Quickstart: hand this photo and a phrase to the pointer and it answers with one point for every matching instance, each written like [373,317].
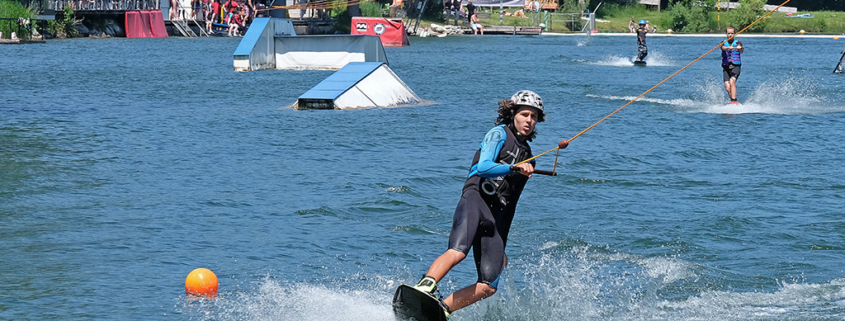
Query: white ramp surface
[327,52]
[359,85]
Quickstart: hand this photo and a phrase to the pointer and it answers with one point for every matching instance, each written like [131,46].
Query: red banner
[145,24]
[390,31]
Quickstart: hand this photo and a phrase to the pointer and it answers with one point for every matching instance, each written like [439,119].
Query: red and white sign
[390,31]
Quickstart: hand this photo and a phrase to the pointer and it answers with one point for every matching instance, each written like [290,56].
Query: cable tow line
[564,143]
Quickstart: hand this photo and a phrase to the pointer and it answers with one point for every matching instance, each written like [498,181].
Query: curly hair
[507,110]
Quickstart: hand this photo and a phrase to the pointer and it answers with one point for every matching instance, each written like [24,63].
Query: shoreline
[700,35]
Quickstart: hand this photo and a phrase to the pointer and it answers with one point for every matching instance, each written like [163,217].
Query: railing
[22,32]
[571,19]
[103,5]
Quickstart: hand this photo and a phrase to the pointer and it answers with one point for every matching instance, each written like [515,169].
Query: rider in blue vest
[486,209]
[731,63]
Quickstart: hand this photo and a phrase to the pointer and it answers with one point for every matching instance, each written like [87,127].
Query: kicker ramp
[359,85]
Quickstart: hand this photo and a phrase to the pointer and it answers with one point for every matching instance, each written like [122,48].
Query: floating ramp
[272,43]
[359,85]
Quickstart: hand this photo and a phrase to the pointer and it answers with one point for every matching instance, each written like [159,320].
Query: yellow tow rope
[564,143]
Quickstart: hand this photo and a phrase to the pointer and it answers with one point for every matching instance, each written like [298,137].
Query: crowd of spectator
[230,16]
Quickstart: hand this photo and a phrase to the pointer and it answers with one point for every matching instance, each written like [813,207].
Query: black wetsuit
[641,47]
[485,211]
[840,67]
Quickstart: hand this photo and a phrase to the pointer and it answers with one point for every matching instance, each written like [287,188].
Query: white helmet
[528,98]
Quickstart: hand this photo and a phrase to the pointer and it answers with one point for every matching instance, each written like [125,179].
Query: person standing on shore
[470,10]
[456,10]
[641,46]
[632,26]
[731,62]
[447,9]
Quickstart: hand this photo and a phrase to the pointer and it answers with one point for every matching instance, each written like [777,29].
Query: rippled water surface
[127,163]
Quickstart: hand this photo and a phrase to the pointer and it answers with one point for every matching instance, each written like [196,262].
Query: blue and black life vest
[504,190]
[731,56]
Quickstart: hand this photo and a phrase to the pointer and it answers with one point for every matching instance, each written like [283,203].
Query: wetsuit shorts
[475,226]
[730,71]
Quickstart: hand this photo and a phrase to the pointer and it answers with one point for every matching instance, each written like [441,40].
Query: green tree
[675,17]
[688,16]
[573,5]
[747,12]
[698,18]
[14,10]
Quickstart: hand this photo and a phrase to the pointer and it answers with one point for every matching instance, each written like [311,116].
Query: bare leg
[732,90]
[728,88]
[469,295]
[444,263]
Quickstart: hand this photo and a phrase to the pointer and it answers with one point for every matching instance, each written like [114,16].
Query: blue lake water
[127,163]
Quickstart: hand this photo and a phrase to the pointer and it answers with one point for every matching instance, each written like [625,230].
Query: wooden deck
[18,41]
[506,30]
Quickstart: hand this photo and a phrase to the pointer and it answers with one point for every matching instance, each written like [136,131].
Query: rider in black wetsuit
[485,211]
[641,46]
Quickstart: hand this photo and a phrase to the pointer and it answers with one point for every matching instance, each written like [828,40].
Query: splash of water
[589,284]
[559,283]
[653,59]
[656,58]
[775,96]
[614,60]
[274,300]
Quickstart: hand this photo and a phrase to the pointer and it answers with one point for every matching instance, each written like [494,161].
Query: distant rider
[840,68]
[486,209]
[641,46]
[731,62]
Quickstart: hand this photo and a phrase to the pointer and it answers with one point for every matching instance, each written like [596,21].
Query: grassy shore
[616,19]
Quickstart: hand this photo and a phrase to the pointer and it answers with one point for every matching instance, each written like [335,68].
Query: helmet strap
[516,133]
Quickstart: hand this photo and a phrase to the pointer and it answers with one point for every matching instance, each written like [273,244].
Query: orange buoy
[201,282]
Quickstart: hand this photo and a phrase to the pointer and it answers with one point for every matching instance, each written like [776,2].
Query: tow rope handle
[536,171]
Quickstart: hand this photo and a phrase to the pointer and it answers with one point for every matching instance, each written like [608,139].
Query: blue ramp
[359,85]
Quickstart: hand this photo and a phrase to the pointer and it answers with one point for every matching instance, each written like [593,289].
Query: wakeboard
[734,103]
[639,63]
[413,304]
